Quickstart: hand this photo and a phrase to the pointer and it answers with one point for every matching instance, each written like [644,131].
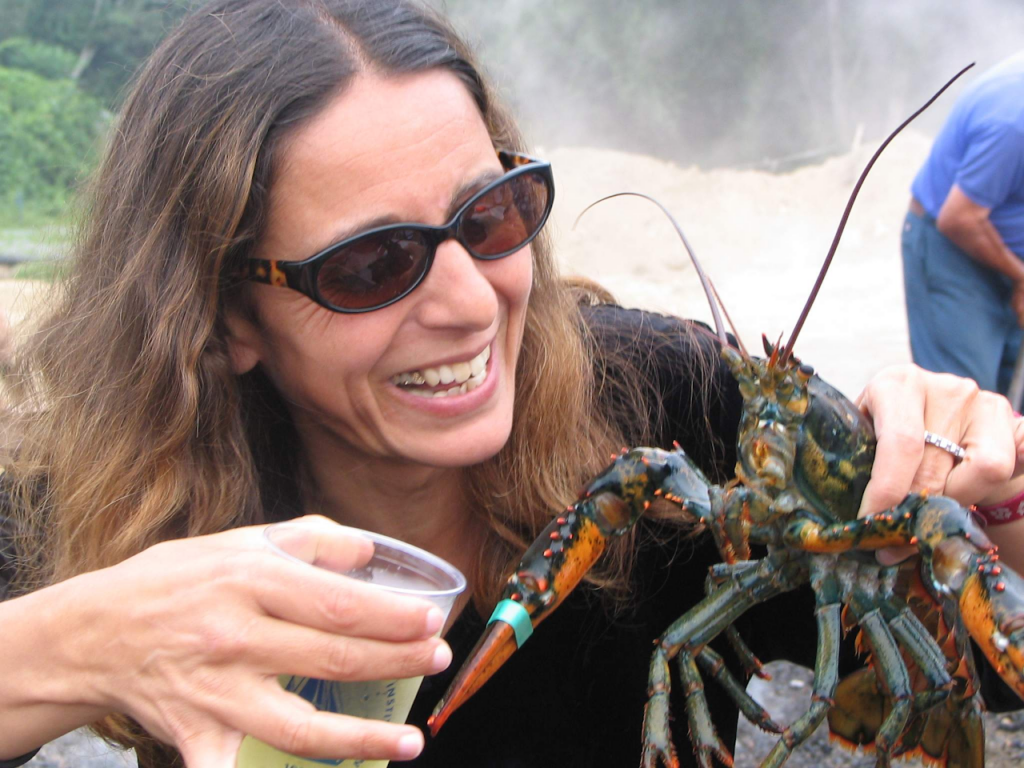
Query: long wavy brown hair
[134,428]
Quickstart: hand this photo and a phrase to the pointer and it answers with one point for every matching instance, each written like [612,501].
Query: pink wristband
[1004,512]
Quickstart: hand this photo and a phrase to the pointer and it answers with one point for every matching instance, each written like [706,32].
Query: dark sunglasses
[377,268]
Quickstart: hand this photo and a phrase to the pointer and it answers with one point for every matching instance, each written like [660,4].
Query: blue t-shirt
[981,148]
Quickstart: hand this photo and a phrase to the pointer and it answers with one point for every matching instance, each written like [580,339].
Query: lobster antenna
[693,257]
[735,332]
[846,215]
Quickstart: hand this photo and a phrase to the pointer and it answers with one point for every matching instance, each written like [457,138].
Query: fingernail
[410,745]
[442,657]
[434,620]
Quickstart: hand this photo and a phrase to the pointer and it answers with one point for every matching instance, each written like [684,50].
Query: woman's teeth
[465,376]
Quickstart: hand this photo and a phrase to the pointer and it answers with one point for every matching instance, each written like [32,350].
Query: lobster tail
[950,734]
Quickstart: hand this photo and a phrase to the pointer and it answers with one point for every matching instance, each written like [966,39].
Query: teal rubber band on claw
[513,614]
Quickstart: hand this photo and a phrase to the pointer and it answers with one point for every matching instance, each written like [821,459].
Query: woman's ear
[244,341]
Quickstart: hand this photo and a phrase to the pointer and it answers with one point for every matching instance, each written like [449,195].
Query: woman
[180,397]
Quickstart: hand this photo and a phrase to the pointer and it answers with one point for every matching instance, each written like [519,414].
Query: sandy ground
[762,239]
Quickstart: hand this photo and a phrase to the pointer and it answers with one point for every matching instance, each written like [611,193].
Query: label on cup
[388,700]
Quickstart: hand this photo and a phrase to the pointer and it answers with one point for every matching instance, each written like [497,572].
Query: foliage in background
[48,129]
[45,270]
[63,67]
[50,61]
[109,39]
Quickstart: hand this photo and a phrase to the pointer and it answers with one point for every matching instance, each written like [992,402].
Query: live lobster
[805,455]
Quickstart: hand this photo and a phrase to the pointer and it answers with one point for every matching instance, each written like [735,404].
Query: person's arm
[967,224]
[43,695]
[1009,537]
[188,638]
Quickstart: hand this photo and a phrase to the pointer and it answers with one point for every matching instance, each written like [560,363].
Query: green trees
[63,65]
[48,128]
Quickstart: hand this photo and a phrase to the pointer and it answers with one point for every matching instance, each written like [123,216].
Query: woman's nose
[457,291]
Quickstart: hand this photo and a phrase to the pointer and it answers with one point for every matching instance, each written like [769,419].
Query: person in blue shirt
[963,239]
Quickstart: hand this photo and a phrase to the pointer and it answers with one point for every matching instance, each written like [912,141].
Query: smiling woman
[359,163]
[313,279]
[258,134]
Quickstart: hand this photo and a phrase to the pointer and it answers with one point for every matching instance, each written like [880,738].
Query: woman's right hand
[188,638]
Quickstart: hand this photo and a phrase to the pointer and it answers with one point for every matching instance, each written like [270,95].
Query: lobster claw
[553,565]
[992,604]
[491,651]
[960,561]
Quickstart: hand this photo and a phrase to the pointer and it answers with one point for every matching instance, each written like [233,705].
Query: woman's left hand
[903,402]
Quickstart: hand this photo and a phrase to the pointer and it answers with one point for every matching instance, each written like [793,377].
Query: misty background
[771,84]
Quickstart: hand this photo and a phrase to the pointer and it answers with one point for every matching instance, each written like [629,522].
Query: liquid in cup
[395,566]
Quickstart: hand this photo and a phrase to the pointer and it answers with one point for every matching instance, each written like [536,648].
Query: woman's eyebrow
[468,188]
[359,228]
[458,198]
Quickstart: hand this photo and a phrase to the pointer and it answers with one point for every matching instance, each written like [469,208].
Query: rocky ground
[81,750]
[787,695]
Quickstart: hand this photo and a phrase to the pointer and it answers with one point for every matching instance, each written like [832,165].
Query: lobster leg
[951,733]
[778,573]
[919,644]
[714,665]
[826,664]
[944,724]
[957,560]
[560,557]
[860,592]
[751,664]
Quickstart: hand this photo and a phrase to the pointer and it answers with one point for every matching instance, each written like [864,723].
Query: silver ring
[945,444]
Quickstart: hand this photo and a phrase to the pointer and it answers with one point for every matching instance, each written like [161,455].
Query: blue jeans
[958,310]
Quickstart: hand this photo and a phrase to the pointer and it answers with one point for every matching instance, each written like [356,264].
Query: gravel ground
[80,749]
[787,695]
[17,245]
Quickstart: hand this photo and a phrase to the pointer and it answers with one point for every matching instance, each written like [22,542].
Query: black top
[574,694]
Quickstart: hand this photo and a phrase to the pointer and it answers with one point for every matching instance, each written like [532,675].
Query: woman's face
[408,148]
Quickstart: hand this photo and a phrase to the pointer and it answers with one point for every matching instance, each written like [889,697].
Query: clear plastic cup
[396,567]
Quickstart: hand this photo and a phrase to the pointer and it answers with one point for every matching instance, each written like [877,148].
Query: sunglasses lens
[373,270]
[507,216]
